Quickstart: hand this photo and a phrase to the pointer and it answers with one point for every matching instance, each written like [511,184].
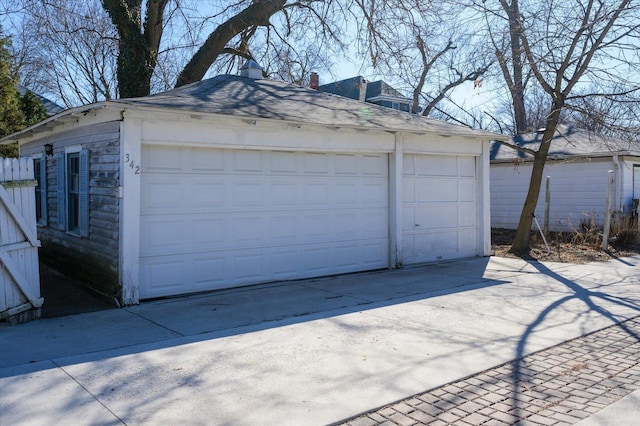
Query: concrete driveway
[305,352]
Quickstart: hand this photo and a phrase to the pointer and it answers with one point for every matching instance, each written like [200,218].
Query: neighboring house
[375,92]
[238,180]
[578,168]
[51,107]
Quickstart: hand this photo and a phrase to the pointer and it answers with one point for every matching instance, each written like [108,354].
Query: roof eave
[54,121]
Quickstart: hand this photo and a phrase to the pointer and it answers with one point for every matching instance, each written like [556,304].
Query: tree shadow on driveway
[593,301]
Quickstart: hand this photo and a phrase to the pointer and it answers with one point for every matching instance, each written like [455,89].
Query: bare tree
[96,50]
[566,45]
[140,25]
[67,49]
[423,45]
[615,116]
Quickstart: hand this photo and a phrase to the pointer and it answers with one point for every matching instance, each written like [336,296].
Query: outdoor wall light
[48,149]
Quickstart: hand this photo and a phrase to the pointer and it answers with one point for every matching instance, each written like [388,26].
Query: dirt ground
[565,247]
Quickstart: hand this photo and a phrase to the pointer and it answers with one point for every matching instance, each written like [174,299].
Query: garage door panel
[408,189]
[375,193]
[374,165]
[346,225]
[374,253]
[210,195]
[467,190]
[207,232]
[467,241]
[316,163]
[208,271]
[162,235]
[162,159]
[430,190]
[163,195]
[436,216]
[261,216]
[205,160]
[248,194]
[316,193]
[248,265]
[347,256]
[467,166]
[284,228]
[317,260]
[284,263]
[161,276]
[283,193]
[373,224]
[247,230]
[346,193]
[444,241]
[247,161]
[435,165]
[467,215]
[408,218]
[346,164]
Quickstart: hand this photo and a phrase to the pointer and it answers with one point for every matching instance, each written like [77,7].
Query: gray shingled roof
[569,141]
[51,107]
[277,100]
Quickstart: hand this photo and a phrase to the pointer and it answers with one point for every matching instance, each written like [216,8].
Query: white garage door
[439,208]
[214,218]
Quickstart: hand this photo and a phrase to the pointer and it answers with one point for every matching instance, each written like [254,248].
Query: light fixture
[48,149]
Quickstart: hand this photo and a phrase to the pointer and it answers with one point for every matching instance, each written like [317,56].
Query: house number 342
[128,161]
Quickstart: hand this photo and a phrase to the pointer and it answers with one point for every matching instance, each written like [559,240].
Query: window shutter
[43,191]
[62,204]
[83,194]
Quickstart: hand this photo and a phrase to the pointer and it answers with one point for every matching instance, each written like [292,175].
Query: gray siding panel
[93,259]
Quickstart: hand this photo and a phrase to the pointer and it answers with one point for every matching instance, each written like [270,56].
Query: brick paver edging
[555,386]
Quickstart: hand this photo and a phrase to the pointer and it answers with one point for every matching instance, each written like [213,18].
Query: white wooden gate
[19,273]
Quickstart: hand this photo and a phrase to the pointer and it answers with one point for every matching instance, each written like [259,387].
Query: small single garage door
[218,218]
[439,208]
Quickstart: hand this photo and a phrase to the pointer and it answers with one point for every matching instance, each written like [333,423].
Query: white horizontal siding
[627,166]
[577,193]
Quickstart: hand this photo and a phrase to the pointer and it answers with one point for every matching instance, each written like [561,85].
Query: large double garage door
[214,218]
[217,218]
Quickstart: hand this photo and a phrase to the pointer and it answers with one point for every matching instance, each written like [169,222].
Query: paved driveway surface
[305,352]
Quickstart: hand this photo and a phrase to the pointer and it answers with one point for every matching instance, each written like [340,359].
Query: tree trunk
[138,50]
[517,86]
[521,243]
[134,70]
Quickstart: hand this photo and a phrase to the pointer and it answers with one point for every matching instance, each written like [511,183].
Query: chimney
[251,69]
[362,86]
[314,81]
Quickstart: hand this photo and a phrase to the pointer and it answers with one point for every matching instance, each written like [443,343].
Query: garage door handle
[416,225]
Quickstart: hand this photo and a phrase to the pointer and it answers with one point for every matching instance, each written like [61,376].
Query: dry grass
[575,247]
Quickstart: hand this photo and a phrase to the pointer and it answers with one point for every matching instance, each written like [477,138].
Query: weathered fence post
[607,213]
[547,199]
[20,299]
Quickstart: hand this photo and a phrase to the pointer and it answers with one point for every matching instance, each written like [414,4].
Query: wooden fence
[20,298]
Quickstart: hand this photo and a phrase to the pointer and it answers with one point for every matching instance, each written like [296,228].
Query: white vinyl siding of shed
[214,218]
[439,207]
[577,191]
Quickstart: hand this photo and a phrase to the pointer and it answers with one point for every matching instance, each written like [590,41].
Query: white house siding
[214,218]
[630,187]
[577,192]
[94,259]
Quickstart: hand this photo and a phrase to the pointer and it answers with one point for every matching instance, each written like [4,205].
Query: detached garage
[237,180]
